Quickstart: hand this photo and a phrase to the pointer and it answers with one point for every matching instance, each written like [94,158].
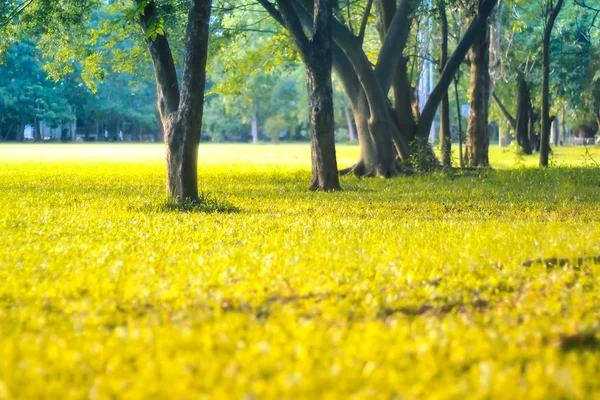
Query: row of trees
[377,49]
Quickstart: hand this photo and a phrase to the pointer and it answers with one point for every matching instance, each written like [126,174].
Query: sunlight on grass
[413,287]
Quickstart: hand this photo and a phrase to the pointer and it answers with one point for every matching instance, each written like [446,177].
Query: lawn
[413,287]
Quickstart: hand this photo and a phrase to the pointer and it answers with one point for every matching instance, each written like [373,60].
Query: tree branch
[364,21]
[293,25]
[511,120]
[162,59]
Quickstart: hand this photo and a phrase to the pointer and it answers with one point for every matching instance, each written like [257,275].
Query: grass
[412,287]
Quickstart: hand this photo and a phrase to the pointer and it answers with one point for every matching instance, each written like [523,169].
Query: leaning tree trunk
[545,134]
[180,112]
[522,125]
[477,130]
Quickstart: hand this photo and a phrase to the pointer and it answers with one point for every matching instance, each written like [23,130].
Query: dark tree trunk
[37,128]
[181,112]
[522,123]
[545,134]
[320,105]
[445,138]
[317,55]
[477,129]
[459,120]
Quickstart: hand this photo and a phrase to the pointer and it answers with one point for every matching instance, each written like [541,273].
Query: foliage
[411,287]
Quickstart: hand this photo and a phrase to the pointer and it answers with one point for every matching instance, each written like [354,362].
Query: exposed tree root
[360,170]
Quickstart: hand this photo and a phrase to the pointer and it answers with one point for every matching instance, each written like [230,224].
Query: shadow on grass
[584,341]
[206,203]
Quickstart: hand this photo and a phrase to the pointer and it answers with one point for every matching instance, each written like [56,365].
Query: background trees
[89,67]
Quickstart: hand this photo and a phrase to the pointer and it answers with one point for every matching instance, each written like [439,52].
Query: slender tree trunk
[477,129]
[21,129]
[254,124]
[349,122]
[459,120]
[38,130]
[445,138]
[522,125]
[545,134]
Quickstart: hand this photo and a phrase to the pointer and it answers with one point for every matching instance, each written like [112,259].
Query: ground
[409,288]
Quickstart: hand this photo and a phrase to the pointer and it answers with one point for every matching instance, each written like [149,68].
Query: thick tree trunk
[545,134]
[522,125]
[445,138]
[320,105]
[477,129]
[182,159]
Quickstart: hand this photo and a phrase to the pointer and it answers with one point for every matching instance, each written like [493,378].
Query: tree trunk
[320,105]
[181,112]
[317,55]
[349,122]
[545,134]
[37,128]
[555,130]
[445,138]
[459,120]
[522,125]
[477,129]
[254,125]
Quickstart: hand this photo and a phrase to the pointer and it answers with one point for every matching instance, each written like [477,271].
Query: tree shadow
[206,203]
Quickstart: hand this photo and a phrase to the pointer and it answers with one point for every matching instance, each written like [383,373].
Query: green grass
[411,287]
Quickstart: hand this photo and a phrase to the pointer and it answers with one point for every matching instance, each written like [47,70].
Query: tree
[316,54]
[180,110]
[386,133]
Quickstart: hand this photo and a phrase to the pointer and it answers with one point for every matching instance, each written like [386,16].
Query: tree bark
[477,130]
[445,138]
[545,134]
[522,126]
[181,112]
